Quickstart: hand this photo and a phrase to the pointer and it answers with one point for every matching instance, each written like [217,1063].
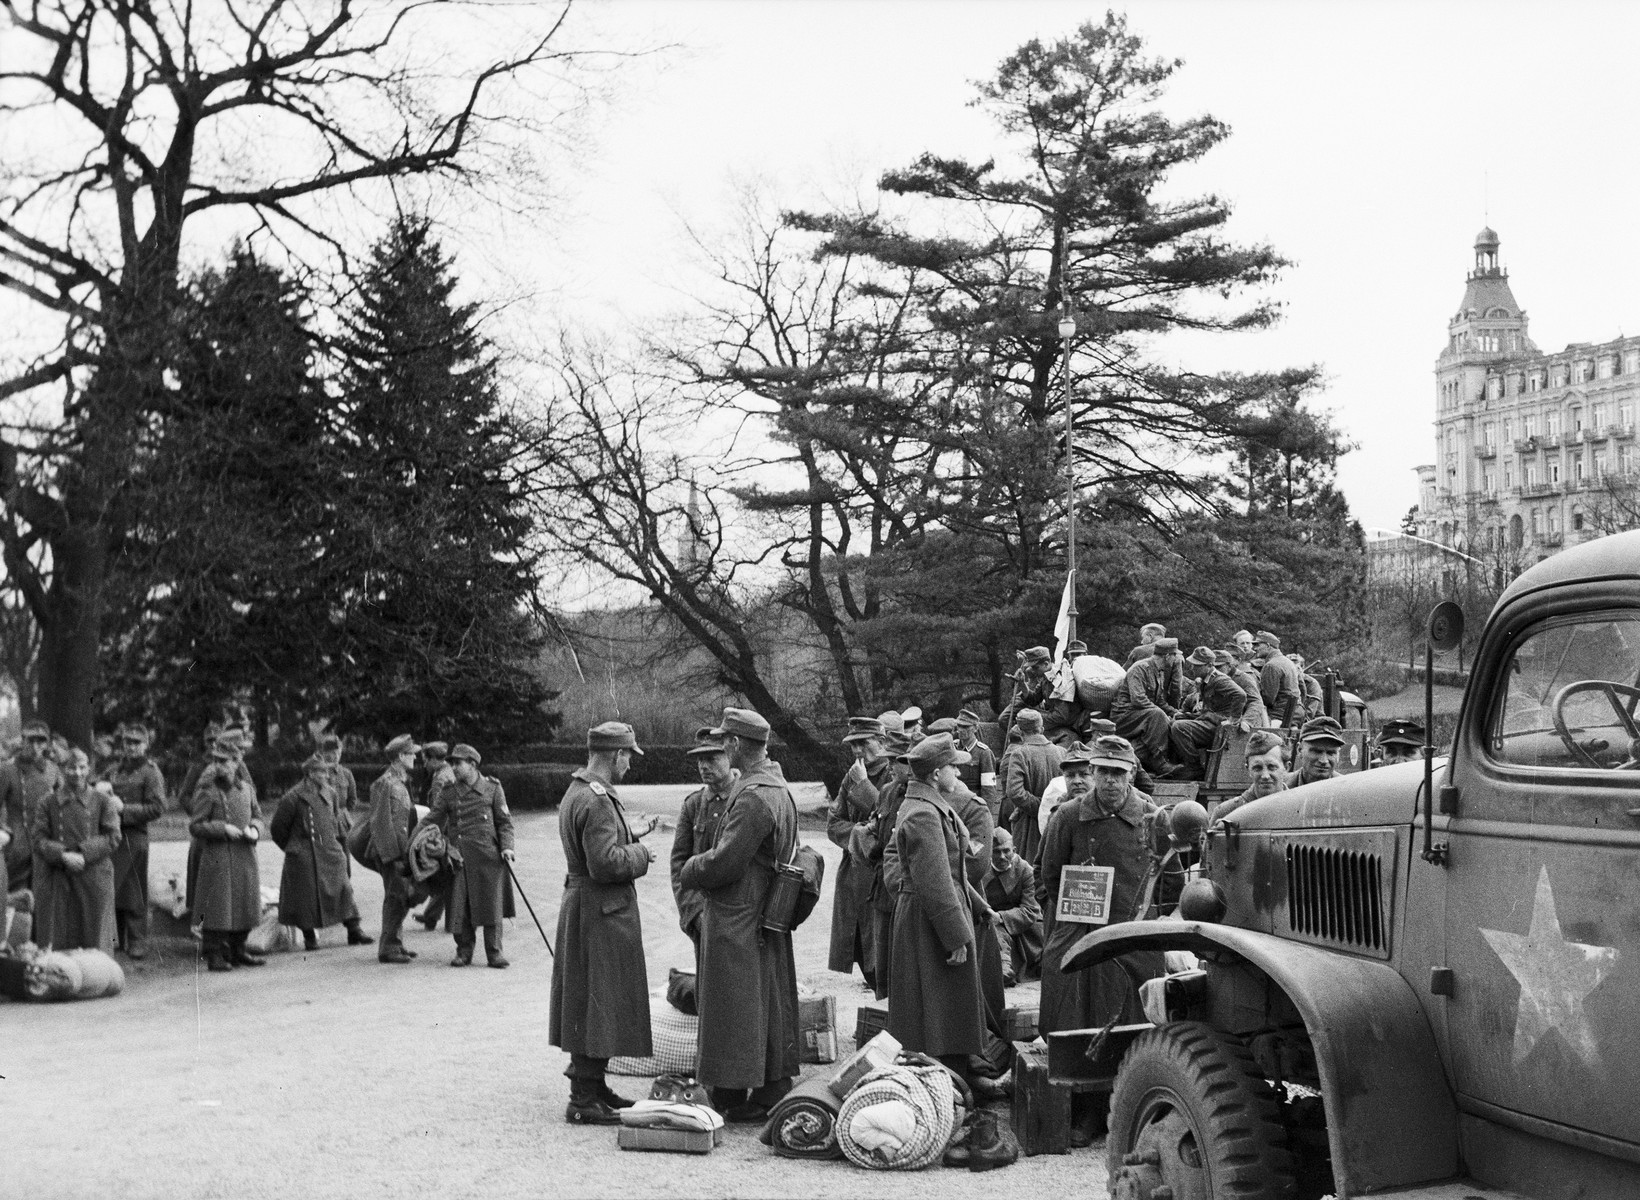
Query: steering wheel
[1557,711]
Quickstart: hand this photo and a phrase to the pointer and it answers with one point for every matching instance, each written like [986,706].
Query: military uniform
[699,821]
[315,887]
[35,780]
[979,775]
[438,887]
[74,909]
[1146,701]
[227,895]
[935,1007]
[747,986]
[141,788]
[20,843]
[851,825]
[392,817]
[1027,769]
[600,991]
[1190,738]
[479,828]
[1081,833]
[882,897]
[1012,896]
[1281,689]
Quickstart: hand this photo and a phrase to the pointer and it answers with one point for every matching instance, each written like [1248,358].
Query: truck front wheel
[1192,1118]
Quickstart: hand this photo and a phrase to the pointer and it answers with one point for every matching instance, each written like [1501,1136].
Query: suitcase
[678,1141]
[1041,1115]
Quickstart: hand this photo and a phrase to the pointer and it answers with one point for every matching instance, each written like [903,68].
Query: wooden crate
[871,1020]
[1041,1108]
[677,1141]
[1019,1023]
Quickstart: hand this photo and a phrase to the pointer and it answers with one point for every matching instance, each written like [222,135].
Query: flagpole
[1067,329]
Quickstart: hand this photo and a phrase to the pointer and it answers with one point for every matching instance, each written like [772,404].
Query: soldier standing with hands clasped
[698,824]
[478,828]
[141,789]
[600,990]
[229,883]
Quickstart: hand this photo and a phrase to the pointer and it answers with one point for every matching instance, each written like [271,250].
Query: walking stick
[514,876]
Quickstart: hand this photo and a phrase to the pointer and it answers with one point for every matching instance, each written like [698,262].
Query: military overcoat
[851,824]
[600,990]
[478,826]
[933,1006]
[34,782]
[1027,770]
[141,788]
[747,984]
[976,819]
[74,909]
[227,893]
[315,889]
[1082,834]
[19,850]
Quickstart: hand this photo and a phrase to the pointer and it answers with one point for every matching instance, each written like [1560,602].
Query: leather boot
[356,936]
[310,940]
[586,1107]
[989,1145]
[215,952]
[612,1098]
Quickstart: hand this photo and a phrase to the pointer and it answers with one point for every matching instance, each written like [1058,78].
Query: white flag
[1062,627]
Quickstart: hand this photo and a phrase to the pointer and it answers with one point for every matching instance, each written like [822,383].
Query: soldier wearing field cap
[478,828]
[852,826]
[37,777]
[1279,684]
[1401,741]
[136,780]
[226,896]
[747,986]
[392,817]
[600,989]
[1033,684]
[979,773]
[889,796]
[1101,823]
[699,820]
[1027,769]
[1221,702]
[1147,700]
[1318,745]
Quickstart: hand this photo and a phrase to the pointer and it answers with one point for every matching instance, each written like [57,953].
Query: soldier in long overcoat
[37,778]
[76,829]
[227,894]
[1027,769]
[478,828]
[747,986]
[136,780]
[600,990]
[882,898]
[699,820]
[1100,824]
[935,1005]
[1146,701]
[15,836]
[315,888]
[851,824]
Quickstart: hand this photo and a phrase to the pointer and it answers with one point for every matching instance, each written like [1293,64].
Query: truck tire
[1191,1112]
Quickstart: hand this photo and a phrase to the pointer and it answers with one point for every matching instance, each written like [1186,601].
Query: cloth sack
[882,1140]
[674,1037]
[680,991]
[428,851]
[270,936]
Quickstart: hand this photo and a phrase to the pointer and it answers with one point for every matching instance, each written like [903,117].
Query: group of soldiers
[78,837]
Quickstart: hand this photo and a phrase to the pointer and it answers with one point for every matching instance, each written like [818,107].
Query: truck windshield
[1572,689]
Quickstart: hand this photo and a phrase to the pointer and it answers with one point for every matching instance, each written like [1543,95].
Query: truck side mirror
[1445,629]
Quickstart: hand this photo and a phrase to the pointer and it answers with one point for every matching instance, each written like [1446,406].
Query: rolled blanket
[666,1114]
[428,850]
[804,1123]
[871,1125]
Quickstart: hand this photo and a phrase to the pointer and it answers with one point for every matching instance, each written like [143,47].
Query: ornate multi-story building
[1533,451]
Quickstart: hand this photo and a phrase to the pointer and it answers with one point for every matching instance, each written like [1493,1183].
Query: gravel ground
[328,1074]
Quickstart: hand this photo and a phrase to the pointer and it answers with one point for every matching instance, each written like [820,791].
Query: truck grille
[1336,895]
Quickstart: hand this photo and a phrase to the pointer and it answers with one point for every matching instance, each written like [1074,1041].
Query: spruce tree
[434,632]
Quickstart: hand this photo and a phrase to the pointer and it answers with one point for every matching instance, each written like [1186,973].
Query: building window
[1577,420]
[1529,425]
[1557,377]
[1631,361]
[1507,438]
[1597,416]
[1625,460]
[1625,415]
[1531,474]
[1508,476]
[1577,468]
[1537,522]
[1599,464]
[1606,366]
[1551,423]
[1489,434]
[1551,521]
[1577,519]
[1516,536]
[1491,484]
[1554,468]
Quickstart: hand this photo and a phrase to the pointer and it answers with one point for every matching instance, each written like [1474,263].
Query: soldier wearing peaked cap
[852,826]
[1319,742]
[600,990]
[1147,700]
[1401,741]
[747,986]
[478,828]
[889,795]
[392,818]
[699,820]
[33,777]
[227,896]
[1027,769]
[314,887]
[979,773]
[137,781]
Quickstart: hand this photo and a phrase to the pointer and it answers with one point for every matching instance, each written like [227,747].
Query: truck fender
[1391,1117]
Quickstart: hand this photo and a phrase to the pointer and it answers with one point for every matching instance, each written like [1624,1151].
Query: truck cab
[1368,1016]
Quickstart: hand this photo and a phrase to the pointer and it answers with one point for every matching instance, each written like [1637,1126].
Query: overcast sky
[1369,144]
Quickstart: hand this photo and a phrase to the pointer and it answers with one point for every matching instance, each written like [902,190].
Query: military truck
[1398,985]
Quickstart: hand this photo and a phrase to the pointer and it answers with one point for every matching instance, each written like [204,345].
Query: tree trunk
[69,643]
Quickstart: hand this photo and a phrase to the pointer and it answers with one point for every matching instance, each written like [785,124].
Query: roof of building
[1487,237]
[1483,293]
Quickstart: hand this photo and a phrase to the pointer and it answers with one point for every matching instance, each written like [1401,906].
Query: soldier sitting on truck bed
[1264,767]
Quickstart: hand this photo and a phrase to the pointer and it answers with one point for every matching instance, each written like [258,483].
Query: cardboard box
[678,1141]
[880,1051]
[817,1028]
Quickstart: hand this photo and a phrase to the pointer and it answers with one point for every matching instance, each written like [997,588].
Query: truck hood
[1382,796]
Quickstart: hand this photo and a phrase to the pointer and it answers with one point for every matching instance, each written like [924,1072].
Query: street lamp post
[1067,330]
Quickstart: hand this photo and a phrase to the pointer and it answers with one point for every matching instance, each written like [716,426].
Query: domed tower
[1489,329]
